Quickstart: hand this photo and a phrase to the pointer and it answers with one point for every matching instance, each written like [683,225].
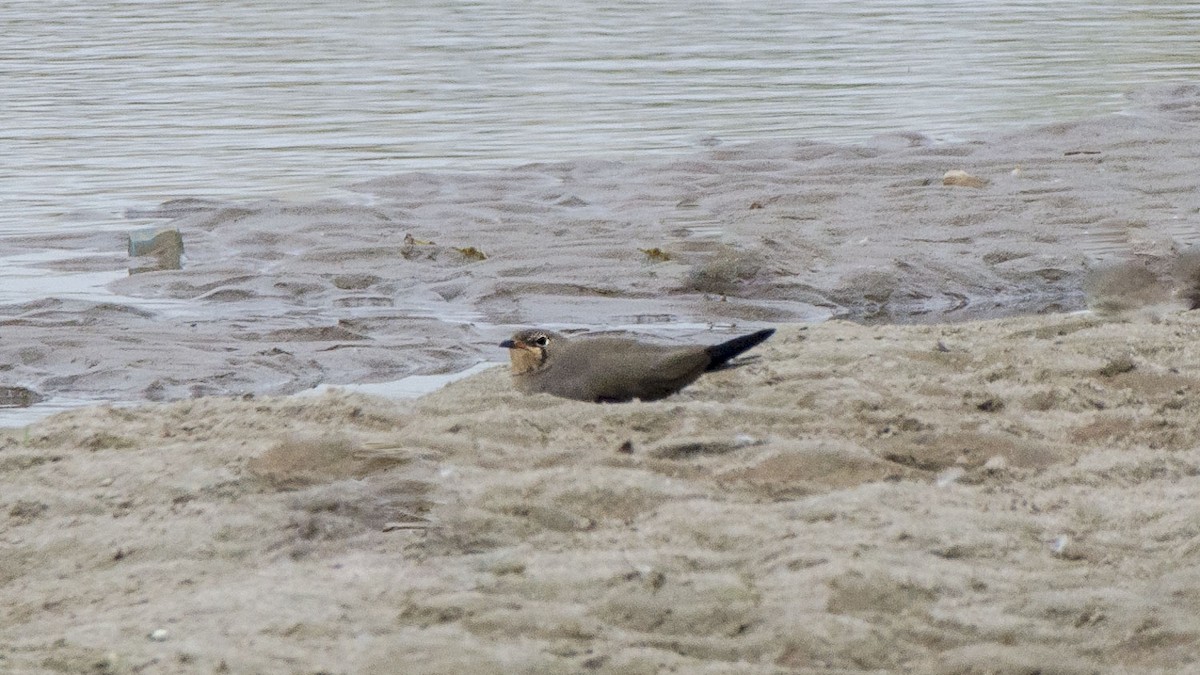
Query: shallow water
[110,112]
[412,386]
[132,103]
[409,387]
[26,277]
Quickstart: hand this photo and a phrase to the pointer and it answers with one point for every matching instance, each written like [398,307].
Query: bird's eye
[541,341]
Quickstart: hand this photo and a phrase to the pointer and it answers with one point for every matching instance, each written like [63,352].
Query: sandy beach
[938,464]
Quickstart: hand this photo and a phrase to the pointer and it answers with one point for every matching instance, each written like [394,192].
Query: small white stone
[159,635]
[950,476]
[962,178]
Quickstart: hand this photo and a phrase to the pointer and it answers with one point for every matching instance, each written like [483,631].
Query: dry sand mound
[1011,496]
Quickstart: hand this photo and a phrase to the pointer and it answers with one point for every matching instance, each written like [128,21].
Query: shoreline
[429,271]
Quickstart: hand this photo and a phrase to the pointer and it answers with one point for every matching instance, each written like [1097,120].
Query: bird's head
[529,349]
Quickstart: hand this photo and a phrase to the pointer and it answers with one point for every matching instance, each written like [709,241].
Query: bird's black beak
[508,344]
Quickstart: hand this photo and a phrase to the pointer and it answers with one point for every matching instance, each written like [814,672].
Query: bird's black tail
[722,353]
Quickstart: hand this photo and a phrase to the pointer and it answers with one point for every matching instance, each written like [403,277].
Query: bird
[614,369]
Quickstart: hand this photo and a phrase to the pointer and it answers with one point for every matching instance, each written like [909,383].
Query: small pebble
[996,463]
[962,179]
[159,635]
[950,476]
[745,440]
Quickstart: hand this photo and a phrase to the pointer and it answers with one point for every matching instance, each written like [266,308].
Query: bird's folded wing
[658,374]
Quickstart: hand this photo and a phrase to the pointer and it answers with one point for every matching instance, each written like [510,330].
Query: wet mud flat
[426,272]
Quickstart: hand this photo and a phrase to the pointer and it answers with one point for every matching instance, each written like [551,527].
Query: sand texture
[1009,496]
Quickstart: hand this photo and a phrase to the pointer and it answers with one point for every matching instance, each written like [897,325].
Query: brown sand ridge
[1007,496]
[1014,495]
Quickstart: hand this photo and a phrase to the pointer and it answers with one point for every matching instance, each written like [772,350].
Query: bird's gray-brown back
[619,369]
